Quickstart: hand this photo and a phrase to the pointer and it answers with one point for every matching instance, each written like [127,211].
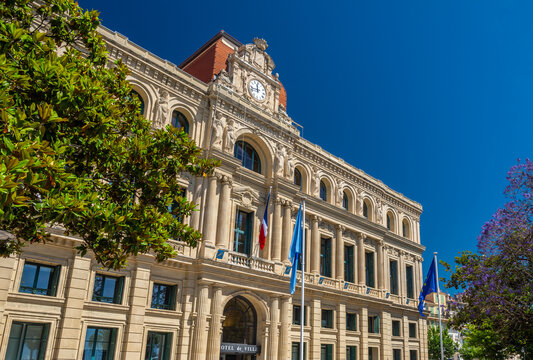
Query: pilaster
[339,264]
[210,219]
[284,345]
[200,339]
[341,331]
[361,259]
[315,245]
[215,328]
[224,215]
[276,231]
[274,322]
[287,231]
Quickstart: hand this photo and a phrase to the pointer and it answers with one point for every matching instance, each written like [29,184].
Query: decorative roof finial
[260,43]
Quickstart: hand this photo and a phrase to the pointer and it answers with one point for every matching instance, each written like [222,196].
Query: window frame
[19,345]
[325,256]
[296,313]
[53,279]
[412,330]
[399,328]
[170,297]
[167,346]
[345,201]
[351,352]
[393,277]
[351,318]
[326,319]
[373,324]
[248,233]
[323,191]
[179,119]
[112,345]
[255,158]
[327,350]
[349,263]
[394,354]
[370,277]
[409,281]
[297,346]
[118,292]
[297,173]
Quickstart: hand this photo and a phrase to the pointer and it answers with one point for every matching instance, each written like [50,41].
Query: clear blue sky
[434,98]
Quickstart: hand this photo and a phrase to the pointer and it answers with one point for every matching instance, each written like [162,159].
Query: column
[381,263]
[215,328]
[405,334]
[200,339]
[341,331]
[401,275]
[361,259]
[274,322]
[364,334]
[69,333]
[340,253]
[284,345]
[287,231]
[210,219]
[224,213]
[316,321]
[276,230]
[186,331]
[333,243]
[386,333]
[315,245]
[135,326]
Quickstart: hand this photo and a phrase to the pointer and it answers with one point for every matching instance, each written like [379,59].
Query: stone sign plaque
[230,348]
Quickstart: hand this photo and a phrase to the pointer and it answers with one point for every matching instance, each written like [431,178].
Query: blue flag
[296,248]
[430,286]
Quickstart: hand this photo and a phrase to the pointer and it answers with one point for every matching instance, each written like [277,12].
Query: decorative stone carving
[290,165]
[161,109]
[379,211]
[279,161]
[316,182]
[229,139]
[340,192]
[218,131]
[359,202]
[245,195]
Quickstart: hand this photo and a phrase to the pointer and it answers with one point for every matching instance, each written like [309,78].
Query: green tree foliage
[75,151]
[496,284]
[450,346]
[482,343]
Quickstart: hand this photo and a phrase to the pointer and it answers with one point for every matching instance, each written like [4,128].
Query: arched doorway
[239,331]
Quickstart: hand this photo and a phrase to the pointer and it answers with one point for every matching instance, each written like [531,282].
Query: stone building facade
[227,299]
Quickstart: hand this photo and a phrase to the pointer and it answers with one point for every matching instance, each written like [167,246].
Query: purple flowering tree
[496,284]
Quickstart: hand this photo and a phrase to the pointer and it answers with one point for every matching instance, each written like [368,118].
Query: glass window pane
[109,288]
[28,277]
[32,342]
[43,278]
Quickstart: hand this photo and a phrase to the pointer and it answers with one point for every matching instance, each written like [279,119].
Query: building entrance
[239,331]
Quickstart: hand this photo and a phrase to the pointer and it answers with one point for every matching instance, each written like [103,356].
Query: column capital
[361,236]
[340,227]
[226,179]
[316,218]
[380,242]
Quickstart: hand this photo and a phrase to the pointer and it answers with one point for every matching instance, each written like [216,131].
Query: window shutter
[172,300]
[112,344]
[329,349]
[54,280]
[119,289]
[44,341]
[168,346]
[249,232]
[376,324]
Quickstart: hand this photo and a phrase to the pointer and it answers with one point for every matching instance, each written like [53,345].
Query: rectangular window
[369,269]
[326,352]
[351,321]
[393,277]
[296,315]
[325,257]
[108,289]
[371,353]
[99,343]
[164,297]
[396,328]
[413,355]
[39,279]
[412,330]
[242,242]
[158,346]
[351,352]
[409,278]
[27,341]
[396,354]
[295,351]
[348,263]
[327,319]
[373,324]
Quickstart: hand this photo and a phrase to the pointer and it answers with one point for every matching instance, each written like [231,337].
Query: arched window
[179,121]
[323,191]
[240,322]
[136,94]
[248,156]
[345,201]
[298,178]
[365,209]
[389,222]
[405,228]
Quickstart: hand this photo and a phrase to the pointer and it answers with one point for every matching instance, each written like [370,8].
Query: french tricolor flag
[264,226]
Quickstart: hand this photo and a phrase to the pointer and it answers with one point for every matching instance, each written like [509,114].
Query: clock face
[257,90]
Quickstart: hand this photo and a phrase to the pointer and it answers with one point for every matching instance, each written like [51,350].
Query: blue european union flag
[296,248]
[430,286]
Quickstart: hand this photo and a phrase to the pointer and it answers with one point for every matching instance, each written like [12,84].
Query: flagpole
[438,301]
[302,306]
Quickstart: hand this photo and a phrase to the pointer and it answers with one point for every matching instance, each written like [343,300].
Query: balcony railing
[250,262]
